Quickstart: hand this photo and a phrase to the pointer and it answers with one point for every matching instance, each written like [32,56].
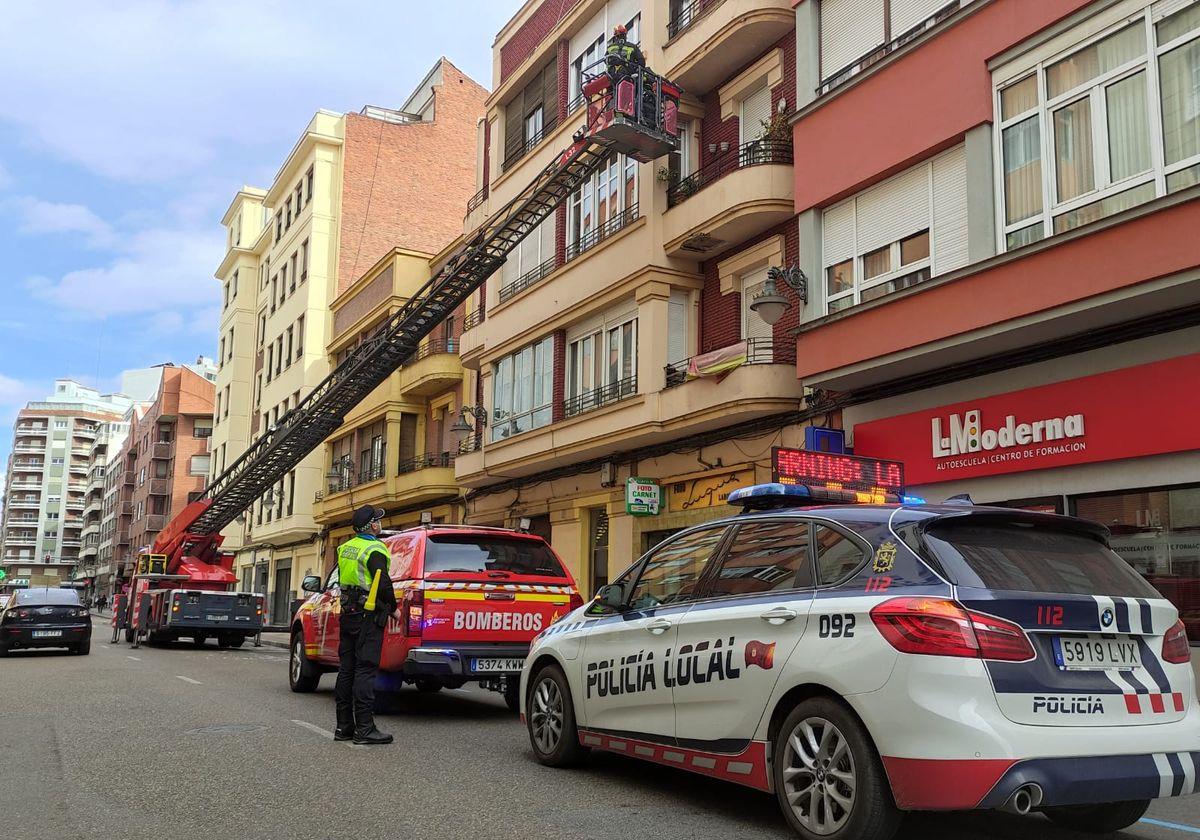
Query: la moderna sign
[1148,409]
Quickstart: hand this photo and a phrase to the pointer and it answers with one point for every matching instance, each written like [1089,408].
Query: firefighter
[622,57]
[367,601]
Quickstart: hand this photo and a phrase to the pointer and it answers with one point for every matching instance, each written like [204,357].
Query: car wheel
[428,686]
[199,641]
[84,648]
[303,676]
[828,777]
[3,651]
[1098,819]
[512,694]
[237,641]
[550,718]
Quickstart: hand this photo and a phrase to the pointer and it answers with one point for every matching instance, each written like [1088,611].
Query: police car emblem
[1106,618]
[885,558]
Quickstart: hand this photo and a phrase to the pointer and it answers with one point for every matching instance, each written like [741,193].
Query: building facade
[47,479]
[354,187]
[94,573]
[1004,283]
[619,341]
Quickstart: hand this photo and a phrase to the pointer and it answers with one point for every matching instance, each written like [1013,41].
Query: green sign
[3,574]
[643,496]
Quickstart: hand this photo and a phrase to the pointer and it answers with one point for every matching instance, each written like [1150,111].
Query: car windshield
[1031,557]
[481,555]
[54,597]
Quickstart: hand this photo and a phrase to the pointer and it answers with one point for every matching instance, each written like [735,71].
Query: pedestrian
[367,601]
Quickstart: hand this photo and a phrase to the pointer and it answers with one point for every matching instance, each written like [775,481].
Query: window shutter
[894,209]
[533,98]
[756,109]
[849,29]
[677,324]
[752,325]
[514,128]
[908,13]
[837,226]
[550,96]
[408,436]
[949,233]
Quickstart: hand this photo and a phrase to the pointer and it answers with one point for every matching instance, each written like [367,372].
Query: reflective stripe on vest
[352,561]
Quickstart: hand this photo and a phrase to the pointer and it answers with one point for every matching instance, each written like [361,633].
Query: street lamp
[769,303]
[462,428]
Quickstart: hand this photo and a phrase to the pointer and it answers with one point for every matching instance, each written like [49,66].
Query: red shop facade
[1112,435]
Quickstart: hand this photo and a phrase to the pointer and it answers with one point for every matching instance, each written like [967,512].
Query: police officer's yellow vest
[352,561]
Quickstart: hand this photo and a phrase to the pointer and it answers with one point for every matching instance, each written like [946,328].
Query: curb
[275,644]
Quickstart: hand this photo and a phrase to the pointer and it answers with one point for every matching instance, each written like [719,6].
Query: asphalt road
[209,744]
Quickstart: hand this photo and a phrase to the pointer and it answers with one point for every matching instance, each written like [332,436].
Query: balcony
[434,368]
[20,483]
[425,478]
[20,539]
[752,351]
[78,469]
[707,40]
[161,450]
[529,278]
[84,451]
[125,509]
[598,234]
[71,543]
[127,478]
[152,522]
[88,432]
[602,396]
[159,487]
[30,429]
[73,504]
[421,462]
[24,504]
[30,448]
[29,466]
[745,191]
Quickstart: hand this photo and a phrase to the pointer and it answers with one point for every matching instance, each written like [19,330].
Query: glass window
[840,277]
[522,390]
[533,125]
[764,557]
[1128,127]
[837,555]
[915,248]
[1018,98]
[1096,60]
[672,573]
[1179,76]
[1073,149]
[1022,170]
[877,262]
[1104,207]
[479,555]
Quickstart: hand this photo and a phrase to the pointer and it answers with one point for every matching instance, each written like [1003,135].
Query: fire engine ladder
[303,429]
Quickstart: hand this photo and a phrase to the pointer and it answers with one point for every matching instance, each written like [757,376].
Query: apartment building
[46,480]
[353,188]
[167,452]
[997,212]
[619,341]
[90,571]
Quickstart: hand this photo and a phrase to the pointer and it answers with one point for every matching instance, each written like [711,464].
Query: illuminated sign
[836,472]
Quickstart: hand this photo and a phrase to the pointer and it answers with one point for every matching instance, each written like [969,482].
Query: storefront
[1119,445]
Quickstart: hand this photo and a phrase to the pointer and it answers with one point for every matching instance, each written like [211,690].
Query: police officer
[367,601]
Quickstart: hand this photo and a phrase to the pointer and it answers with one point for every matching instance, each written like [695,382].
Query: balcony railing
[160,487]
[598,234]
[683,15]
[474,443]
[29,447]
[758,351]
[434,347]
[529,278]
[597,397]
[755,153]
[31,430]
[474,319]
[875,54]
[429,459]
[477,199]
[549,123]
[161,450]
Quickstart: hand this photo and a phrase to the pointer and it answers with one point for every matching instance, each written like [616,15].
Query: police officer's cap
[365,515]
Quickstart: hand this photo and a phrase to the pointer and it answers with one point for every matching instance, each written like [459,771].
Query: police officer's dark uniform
[362,560]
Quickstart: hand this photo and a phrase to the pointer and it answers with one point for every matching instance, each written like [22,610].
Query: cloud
[36,216]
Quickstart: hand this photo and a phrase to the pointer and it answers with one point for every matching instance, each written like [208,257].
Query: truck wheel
[303,676]
[223,642]
[550,719]
[199,641]
[828,777]
[1098,819]
[237,641]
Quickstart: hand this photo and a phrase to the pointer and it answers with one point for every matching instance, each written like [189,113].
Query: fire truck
[183,583]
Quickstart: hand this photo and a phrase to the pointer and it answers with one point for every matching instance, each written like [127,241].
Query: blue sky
[125,130]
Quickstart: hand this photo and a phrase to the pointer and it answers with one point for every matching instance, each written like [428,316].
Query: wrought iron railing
[474,443]
[759,351]
[601,396]
[684,15]
[473,319]
[844,74]
[754,153]
[477,199]
[598,234]
[529,278]
[549,123]
[429,459]
[576,103]
[435,346]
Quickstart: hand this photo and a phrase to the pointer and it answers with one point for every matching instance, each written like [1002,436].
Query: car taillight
[414,611]
[1175,647]
[576,601]
[938,627]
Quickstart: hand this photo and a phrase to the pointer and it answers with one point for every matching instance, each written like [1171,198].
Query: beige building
[352,189]
[594,355]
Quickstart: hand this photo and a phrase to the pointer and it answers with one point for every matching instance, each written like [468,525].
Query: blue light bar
[776,495]
[912,500]
[772,490]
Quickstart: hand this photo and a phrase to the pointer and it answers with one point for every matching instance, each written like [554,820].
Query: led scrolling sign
[870,479]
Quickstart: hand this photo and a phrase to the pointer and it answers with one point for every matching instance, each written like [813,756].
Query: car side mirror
[311,583]
[612,596]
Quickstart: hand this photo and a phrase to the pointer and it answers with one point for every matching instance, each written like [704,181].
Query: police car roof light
[912,500]
[775,495]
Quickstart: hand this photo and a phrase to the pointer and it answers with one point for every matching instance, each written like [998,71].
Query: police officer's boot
[373,737]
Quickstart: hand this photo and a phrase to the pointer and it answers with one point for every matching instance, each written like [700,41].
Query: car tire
[428,686]
[303,675]
[837,790]
[83,648]
[1098,819]
[3,651]
[549,708]
[237,641]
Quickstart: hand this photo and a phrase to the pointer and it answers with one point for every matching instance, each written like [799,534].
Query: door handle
[778,615]
[658,626]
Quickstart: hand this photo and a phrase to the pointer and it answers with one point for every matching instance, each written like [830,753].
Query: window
[283,281]
[274,289]
[270,358]
[288,213]
[60,424]
[303,260]
[262,329]
[300,339]
[522,389]
[278,355]
[533,126]
[289,346]
[593,53]
[672,573]
[897,234]
[308,184]
[530,261]
[602,365]
[1093,114]
[765,557]
[838,556]
[217,412]
[299,198]
[221,354]
[278,226]
[292,287]
[226,304]
[604,204]
[227,401]
[754,327]
[531,114]
[199,465]
[202,428]
[371,456]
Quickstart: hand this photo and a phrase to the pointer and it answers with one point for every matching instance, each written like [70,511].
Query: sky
[126,128]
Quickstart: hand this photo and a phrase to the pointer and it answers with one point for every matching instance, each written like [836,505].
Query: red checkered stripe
[507,587]
[748,767]
[1156,704]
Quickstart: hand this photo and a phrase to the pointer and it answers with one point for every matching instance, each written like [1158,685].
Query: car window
[404,552]
[672,573]
[58,597]
[332,581]
[764,557]
[479,554]
[837,555]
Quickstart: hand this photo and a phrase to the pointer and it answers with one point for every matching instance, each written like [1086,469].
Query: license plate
[46,634]
[489,666]
[217,617]
[1093,653]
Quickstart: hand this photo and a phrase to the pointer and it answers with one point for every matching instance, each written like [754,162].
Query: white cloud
[36,216]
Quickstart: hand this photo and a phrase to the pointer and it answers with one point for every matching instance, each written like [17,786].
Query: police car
[865,660]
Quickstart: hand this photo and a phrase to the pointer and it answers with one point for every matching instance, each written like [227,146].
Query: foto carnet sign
[643,497]
[1143,410]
